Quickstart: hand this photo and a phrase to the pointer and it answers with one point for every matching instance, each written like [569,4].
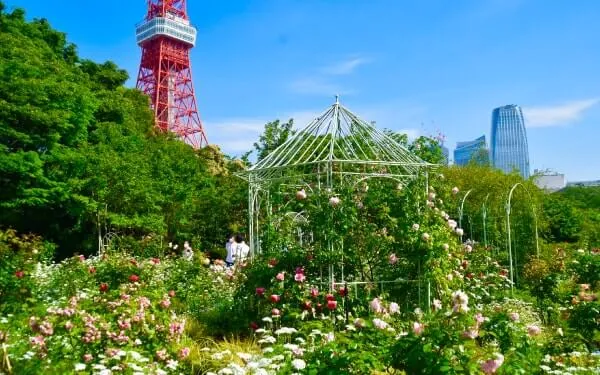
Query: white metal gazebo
[337,148]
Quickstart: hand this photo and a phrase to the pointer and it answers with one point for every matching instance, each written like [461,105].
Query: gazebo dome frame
[337,148]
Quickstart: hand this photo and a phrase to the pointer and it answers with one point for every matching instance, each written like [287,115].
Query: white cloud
[346,67]
[558,115]
[235,136]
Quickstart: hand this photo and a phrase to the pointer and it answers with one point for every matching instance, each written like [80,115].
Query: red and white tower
[165,75]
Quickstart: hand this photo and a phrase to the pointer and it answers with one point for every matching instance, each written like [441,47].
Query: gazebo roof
[337,140]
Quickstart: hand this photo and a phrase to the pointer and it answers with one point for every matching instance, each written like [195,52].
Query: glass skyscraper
[509,149]
[470,150]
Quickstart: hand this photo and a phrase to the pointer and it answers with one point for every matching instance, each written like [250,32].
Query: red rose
[275,312]
[103,287]
[343,291]
[134,278]
[331,304]
[329,297]
[254,326]
[19,274]
[260,291]
[92,270]
[307,305]
[171,293]
[155,260]
[275,298]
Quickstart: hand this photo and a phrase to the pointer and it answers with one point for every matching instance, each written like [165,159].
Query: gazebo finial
[337,99]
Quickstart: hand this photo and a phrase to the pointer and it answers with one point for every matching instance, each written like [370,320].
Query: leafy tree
[78,149]
[564,222]
[274,135]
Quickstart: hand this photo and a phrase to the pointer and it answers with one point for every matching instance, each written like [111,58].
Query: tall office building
[509,150]
[475,150]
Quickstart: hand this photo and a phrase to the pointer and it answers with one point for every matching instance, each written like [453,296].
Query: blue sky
[416,66]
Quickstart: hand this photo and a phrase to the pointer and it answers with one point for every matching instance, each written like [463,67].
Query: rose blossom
[380,323]
[376,306]
[445,246]
[162,354]
[437,304]
[301,194]
[492,365]
[415,227]
[533,330]
[514,316]
[332,305]
[425,236]
[275,312]
[165,303]
[394,308]
[334,201]
[275,298]
[314,292]
[459,231]
[134,278]
[455,190]
[393,259]
[260,291]
[299,277]
[280,276]
[418,328]
[68,325]
[87,357]
[184,353]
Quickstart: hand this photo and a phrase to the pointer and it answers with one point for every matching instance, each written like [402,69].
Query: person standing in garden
[230,246]
[241,249]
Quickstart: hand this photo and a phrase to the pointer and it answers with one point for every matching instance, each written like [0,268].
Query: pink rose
[418,328]
[332,305]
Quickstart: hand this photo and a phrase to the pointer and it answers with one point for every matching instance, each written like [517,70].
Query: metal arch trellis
[508,229]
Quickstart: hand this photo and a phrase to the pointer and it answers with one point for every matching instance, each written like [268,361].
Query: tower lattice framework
[166,37]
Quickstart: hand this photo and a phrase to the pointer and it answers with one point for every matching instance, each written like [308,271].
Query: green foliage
[78,151]
[564,221]
[274,135]
[18,258]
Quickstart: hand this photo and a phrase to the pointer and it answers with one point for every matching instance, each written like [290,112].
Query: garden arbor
[335,150]
[310,196]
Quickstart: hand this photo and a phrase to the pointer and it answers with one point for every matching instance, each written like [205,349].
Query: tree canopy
[78,149]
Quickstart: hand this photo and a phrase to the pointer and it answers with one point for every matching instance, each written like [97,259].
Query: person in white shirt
[230,246]
[241,249]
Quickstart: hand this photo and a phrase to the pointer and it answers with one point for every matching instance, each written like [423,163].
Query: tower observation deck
[166,37]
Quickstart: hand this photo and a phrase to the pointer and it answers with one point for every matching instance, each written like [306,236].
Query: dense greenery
[78,151]
[79,154]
